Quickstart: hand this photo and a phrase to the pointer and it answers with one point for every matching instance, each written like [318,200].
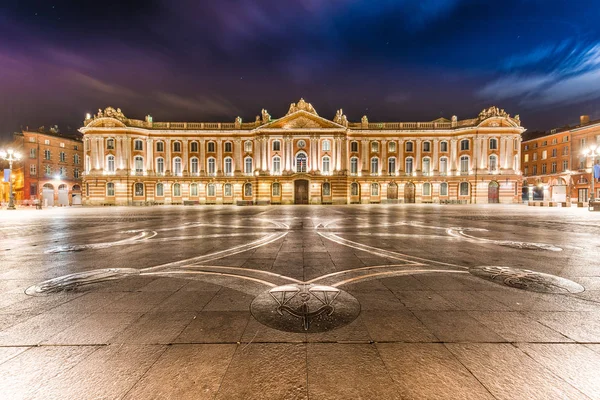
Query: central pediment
[302,119]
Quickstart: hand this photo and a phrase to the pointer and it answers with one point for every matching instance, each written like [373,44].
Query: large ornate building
[301,158]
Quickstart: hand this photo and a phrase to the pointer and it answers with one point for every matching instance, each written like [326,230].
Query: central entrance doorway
[301,191]
[494,192]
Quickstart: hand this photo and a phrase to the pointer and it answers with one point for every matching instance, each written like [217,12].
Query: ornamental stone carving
[238,122]
[266,117]
[493,112]
[301,106]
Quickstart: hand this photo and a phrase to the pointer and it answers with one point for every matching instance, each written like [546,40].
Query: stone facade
[301,158]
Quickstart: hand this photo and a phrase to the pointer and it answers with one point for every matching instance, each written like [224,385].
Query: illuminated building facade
[301,158]
[555,168]
[50,169]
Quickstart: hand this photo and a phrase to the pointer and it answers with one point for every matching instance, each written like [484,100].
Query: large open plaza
[415,301]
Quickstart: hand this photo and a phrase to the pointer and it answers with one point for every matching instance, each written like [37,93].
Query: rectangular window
[62,145]
[443,166]
[32,139]
[526,158]
[227,147]
[47,155]
[63,156]
[408,146]
[553,171]
[138,145]
[277,165]
[553,152]
[76,147]
[543,168]
[409,166]
[534,158]
[354,166]
[392,166]
[325,165]
[544,154]
[194,189]
[32,170]
[63,171]
[76,173]
[526,171]
[76,159]
[444,147]
[534,170]
[464,144]
[326,145]
[160,147]
[32,189]
[426,146]
[47,141]
[565,165]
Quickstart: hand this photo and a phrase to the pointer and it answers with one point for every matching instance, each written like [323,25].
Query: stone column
[94,153]
[418,160]
[101,155]
[149,155]
[483,146]
[119,149]
[453,156]
[364,156]
[128,154]
[219,160]
[435,162]
[343,159]
[237,155]
[384,163]
[202,161]
[168,161]
[185,162]
[256,154]
[400,162]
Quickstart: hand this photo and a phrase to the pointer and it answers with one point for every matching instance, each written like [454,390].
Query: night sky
[394,60]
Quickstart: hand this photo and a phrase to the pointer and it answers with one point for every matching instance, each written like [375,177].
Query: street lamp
[10,155]
[593,152]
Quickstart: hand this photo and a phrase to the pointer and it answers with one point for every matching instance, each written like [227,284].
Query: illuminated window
[354,189]
[325,165]
[248,146]
[326,145]
[248,165]
[160,165]
[464,188]
[194,189]
[493,164]
[374,166]
[194,164]
[138,189]
[228,166]
[464,165]
[276,189]
[110,163]
[408,165]
[160,189]
[248,189]
[177,166]
[427,189]
[138,162]
[227,190]
[374,189]
[211,167]
[443,189]
[110,189]
[374,147]
[326,189]
[392,147]
[426,167]
[276,165]
[176,190]
[210,190]
[444,166]
[353,165]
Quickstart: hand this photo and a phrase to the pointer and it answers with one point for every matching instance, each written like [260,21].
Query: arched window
[301,162]
[276,165]
[354,166]
[110,189]
[211,168]
[110,144]
[248,189]
[408,146]
[247,146]
[374,166]
[374,189]
[177,166]
[444,166]
[228,164]
[443,146]
[87,164]
[211,147]
[248,165]
[177,147]
[194,147]
[427,189]
[276,145]
[176,190]
[194,165]
[374,147]
[408,165]
[426,147]
[493,164]
[276,189]
[110,163]
[326,145]
[464,144]
[392,165]
[139,164]
[227,192]
[493,144]
[160,165]
[426,167]
[325,165]
[354,147]
[138,189]
[194,189]
[392,147]
[160,190]
[354,189]
[443,189]
[210,190]
[464,188]
[326,190]
[138,145]
[228,147]
[160,147]
[464,165]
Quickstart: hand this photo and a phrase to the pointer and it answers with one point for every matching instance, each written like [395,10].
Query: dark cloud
[212,60]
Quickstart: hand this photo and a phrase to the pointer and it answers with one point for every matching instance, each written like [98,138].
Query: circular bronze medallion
[527,280]
[305,308]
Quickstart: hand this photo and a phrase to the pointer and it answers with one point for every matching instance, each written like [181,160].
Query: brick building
[554,166]
[50,168]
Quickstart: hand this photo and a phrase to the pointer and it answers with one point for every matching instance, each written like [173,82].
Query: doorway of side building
[48,195]
[409,192]
[493,192]
[301,191]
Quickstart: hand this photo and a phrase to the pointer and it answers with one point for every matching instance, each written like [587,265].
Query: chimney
[584,119]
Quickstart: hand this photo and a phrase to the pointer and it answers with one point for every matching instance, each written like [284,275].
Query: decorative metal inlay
[305,308]
[527,280]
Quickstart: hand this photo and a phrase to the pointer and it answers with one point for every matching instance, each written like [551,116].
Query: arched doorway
[493,192]
[392,191]
[48,195]
[301,191]
[409,192]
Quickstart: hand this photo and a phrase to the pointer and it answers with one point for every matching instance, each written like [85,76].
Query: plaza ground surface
[417,307]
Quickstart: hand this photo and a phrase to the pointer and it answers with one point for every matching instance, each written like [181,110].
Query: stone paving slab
[182,326]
